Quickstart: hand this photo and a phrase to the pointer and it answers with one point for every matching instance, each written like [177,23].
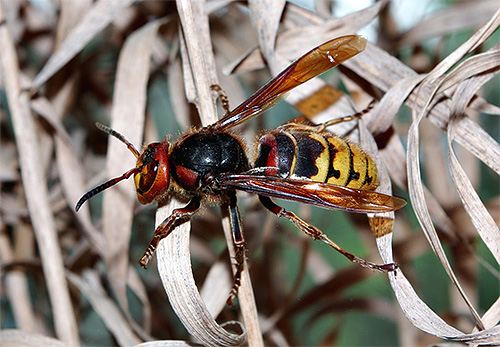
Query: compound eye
[153,180]
[147,176]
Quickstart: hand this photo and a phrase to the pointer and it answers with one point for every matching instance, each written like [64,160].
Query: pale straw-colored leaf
[36,190]
[477,141]
[177,94]
[291,43]
[174,267]
[70,14]
[481,105]
[472,43]
[137,286]
[385,72]
[482,220]
[127,117]
[173,254]
[38,33]
[492,316]
[200,67]
[381,224]
[385,111]
[167,343]
[456,18]
[394,157]
[70,172]
[471,67]
[69,165]
[265,16]
[91,288]
[295,41]
[16,288]
[218,281]
[20,338]
[414,175]
[417,198]
[96,19]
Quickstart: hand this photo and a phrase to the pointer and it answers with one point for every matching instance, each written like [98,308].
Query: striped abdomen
[299,152]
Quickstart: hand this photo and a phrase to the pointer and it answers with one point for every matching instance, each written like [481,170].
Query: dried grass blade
[385,71]
[385,111]
[454,18]
[371,64]
[218,281]
[71,12]
[425,319]
[36,190]
[177,94]
[291,43]
[174,267]
[481,68]
[415,181]
[13,337]
[70,172]
[472,43]
[473,66]
[137,286]
[417,197]
[127,116]
[476,140]
[482,220]
[174,263]
[200,58]
[16,288]
[265,16]
[167,343]
[492,316]
[246,298]
[381,224]
[481,105]
[104,306]
[96,19]
[393,156]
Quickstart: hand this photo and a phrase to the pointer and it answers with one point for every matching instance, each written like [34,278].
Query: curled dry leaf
[463,185]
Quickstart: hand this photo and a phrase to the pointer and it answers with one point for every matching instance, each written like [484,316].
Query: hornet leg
[222,96]
[240,246]
[316,234]
[166,227]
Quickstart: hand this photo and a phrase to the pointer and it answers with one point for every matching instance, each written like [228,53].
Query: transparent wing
[324,195]
[311,64]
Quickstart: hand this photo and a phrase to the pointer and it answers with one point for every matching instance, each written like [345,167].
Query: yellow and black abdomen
[301,152]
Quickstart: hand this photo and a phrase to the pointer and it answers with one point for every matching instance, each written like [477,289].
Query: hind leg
[316,234]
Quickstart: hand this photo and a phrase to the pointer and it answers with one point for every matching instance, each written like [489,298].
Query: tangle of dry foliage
[68,64]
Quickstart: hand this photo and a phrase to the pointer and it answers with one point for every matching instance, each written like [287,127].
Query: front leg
[165,228]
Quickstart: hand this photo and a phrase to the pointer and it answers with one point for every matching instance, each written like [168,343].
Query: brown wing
[324,195]
[311,64]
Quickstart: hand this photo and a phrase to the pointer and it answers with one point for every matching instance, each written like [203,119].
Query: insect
[297,161]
